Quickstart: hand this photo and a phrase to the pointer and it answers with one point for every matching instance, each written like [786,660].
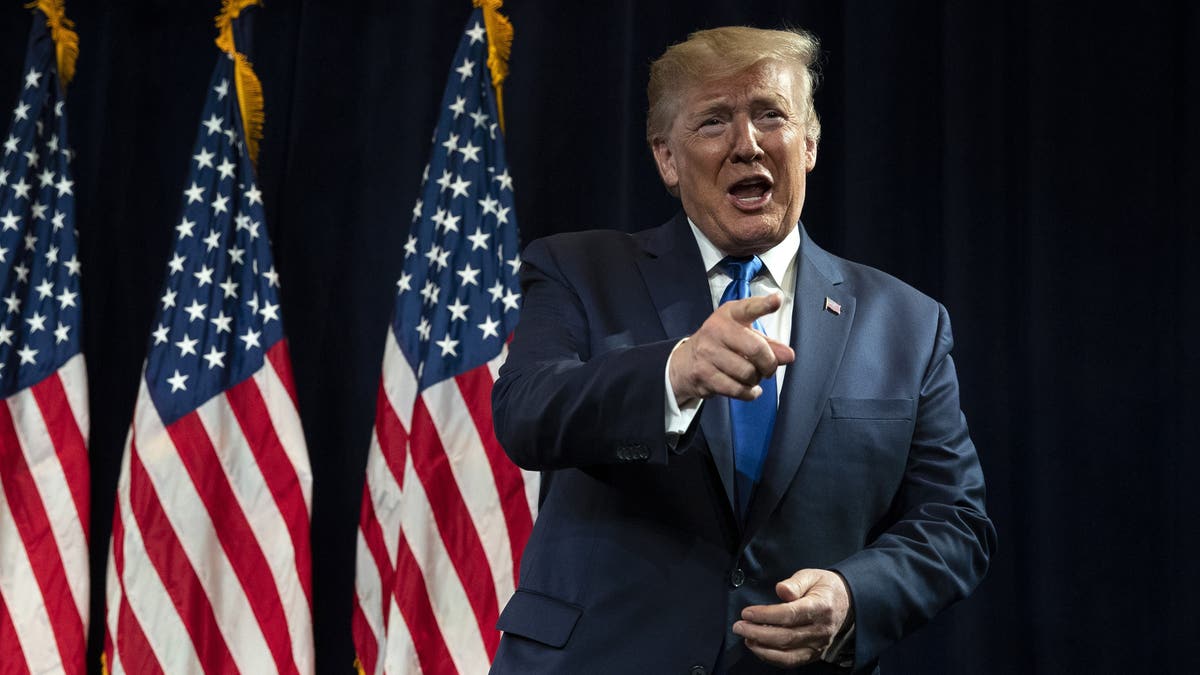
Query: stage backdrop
[1036,166]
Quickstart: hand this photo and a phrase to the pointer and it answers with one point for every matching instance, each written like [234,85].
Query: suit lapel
[675,276]
[678,285]
[819,338]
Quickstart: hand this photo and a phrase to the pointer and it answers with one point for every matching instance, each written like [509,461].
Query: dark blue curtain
[1036,166]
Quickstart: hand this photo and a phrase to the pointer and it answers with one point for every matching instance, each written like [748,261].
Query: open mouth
[750,193]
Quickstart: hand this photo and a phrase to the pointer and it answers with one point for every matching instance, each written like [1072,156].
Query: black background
[1035,166]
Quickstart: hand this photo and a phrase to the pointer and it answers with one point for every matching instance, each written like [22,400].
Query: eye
[771,119]
[711,127]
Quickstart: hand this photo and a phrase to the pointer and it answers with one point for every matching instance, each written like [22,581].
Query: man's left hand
[799,629]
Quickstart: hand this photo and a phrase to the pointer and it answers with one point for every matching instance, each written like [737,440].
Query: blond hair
[722,52]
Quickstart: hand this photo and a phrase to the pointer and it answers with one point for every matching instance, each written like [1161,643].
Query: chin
[753,234]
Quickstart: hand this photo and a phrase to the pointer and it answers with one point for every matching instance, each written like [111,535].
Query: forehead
[764,81]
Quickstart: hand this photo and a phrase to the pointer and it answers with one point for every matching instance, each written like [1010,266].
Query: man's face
[738,153]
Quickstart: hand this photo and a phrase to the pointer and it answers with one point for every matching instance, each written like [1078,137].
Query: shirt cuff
[677,418]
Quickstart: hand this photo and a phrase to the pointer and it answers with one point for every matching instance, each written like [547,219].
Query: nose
[745,142]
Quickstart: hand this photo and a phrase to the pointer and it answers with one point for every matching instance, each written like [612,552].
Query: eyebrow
[775,100]
[714,108]
[722,104]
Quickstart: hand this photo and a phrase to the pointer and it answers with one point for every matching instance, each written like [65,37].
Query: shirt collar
[776,261]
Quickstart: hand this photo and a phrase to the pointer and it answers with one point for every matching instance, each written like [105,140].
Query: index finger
[745,311]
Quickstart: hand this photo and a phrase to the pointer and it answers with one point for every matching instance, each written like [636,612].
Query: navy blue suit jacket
[637,563]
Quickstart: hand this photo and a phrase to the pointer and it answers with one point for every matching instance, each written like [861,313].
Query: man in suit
[753,452]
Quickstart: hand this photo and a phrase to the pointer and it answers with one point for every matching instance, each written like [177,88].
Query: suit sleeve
[936,549]
[556,403]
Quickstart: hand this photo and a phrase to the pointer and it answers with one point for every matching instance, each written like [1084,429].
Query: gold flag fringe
[249,88]
[66,40]
[500,38]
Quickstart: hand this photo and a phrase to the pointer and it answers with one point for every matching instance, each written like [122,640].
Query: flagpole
[500,39]
[249,89]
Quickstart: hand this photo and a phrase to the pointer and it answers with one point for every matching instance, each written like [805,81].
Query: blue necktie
[752,421]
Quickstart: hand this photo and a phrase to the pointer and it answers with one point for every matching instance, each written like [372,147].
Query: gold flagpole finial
[500,38]
[249,88]
[66,40]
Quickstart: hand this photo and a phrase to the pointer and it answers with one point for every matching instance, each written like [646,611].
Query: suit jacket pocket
[539,617]
[871,408]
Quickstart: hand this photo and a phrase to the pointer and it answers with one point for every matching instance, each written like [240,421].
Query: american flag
[210,568]
[445,514]
[43,384]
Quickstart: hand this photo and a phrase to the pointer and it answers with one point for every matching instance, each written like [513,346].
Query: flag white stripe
[26,609]
[399,381]
[54,492]
[265,519]
[373,598]
[451,607]
[148,599]
[112,598]
[286,420]
[386,497]
[73,376]
[401,655]
[112,588]
[475,481]
[368,588]
[194,529]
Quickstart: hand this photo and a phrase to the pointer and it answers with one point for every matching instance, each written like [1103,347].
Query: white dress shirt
[777,276]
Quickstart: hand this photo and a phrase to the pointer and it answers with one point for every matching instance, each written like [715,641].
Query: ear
[665,160]
[810,153]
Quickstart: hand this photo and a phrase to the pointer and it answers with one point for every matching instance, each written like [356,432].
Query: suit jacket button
[697,670]
[737,577]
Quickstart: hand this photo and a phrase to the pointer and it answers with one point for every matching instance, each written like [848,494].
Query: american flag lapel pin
[832,307]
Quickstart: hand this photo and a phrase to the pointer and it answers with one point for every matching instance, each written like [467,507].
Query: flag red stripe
[180,580]
[237,538]
[12,659]
[476,388]
[278,356]
[454,523]
[373,536]
[136,654]
[68,442]
[393,439]
[252,415]
[412,597]
[33,525]
[365,646]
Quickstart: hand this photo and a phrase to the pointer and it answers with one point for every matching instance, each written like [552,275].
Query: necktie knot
[740,272]
[742,269]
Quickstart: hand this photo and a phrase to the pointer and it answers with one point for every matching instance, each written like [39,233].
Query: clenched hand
[799,629]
